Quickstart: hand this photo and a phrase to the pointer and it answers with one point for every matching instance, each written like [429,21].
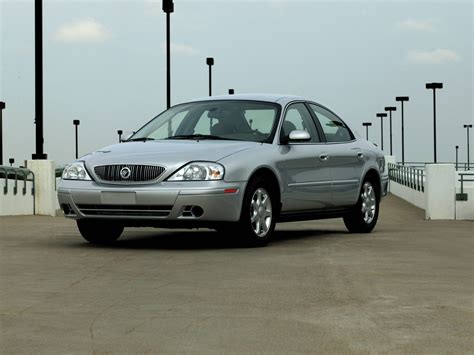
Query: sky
[105,64]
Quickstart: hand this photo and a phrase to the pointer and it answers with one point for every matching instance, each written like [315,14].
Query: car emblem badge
[125,172]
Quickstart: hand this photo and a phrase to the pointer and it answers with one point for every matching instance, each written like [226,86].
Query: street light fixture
[366,125]
[381,115]
[434,86]
[390,109]
[168,8]
[39,154]
[403,99]
[120,132]
[2,107]
[210,63]
[76,123]
[467,126]
[231,91]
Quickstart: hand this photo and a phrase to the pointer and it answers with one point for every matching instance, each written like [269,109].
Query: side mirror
[296,136]
[126,136]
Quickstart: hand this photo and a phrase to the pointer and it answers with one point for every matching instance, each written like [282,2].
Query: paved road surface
[407,287]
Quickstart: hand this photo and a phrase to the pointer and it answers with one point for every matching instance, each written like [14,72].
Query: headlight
[199,171]
[75,171]
[381,163]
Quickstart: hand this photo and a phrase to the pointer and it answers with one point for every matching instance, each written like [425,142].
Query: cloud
[437,56]
[181,49]
[83,30]
[416,25]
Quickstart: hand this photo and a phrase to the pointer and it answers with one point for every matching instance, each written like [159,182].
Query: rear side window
[333,127]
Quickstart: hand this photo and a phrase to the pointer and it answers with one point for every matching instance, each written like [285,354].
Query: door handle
[323,157]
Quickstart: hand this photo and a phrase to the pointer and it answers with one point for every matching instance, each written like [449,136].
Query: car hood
[170,154]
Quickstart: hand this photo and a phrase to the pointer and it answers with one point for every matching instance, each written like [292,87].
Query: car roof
[277,98]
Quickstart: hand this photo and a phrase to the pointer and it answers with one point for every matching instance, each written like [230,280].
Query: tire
[258,215]
[363,216]
[99,231]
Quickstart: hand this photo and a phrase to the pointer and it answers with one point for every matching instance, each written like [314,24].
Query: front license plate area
[119,198]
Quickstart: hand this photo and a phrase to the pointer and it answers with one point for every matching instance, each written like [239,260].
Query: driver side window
[297,117]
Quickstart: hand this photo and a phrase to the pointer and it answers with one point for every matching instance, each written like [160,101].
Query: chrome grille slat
[138,173]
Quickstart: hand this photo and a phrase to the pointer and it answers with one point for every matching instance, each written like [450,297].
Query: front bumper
[180,201]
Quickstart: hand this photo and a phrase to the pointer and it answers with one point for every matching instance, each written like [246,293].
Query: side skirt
[311,215]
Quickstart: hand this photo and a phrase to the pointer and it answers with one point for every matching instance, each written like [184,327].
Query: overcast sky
[104,63]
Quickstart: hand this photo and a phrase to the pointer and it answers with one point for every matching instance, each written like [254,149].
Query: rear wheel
[363,216]
[99,231]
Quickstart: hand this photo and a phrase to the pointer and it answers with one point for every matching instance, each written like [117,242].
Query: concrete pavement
[406,288]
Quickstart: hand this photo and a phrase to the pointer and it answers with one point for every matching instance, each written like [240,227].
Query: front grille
[126,210]
[137,173]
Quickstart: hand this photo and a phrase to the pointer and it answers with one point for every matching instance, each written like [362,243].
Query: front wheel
[363,216]
[258,215]
[99,231]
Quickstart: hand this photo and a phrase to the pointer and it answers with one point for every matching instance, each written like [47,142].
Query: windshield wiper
[141,139]
[198,137]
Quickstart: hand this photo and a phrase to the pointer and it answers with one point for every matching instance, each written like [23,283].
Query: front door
[303,166]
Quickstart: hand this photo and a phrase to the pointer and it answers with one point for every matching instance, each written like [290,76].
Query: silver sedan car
[237,164]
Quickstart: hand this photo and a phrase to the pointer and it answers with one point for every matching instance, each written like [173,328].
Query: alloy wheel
[261,212]
[369,203]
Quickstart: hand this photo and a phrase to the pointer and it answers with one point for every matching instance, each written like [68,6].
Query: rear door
[302,166]
[345,156]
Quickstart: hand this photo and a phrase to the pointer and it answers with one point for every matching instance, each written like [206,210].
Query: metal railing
[17,174]
[462,196]
[411,177]
[462,166]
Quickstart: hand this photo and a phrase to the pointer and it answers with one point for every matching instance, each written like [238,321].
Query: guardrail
[420,164]
[18,175]
[408,176]
[463,196]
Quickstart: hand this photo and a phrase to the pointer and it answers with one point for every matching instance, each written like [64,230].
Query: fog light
[197,211]
[66,208]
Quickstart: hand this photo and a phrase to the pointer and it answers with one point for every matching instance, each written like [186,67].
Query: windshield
[233,119]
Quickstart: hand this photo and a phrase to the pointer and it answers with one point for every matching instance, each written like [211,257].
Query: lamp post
[457,148]
[381,115]
[120,132]
[366,125]
[168,8]
[39,153]
[434,86]
[390,109]
[403,99]
[210,63]
[231,91]
[467,126]
[2,107]
[76,123]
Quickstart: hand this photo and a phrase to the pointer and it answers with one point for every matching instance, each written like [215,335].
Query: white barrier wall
[465,209]
[410,195]
[440,191]
[45,178]
[441,183]
[12,204]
